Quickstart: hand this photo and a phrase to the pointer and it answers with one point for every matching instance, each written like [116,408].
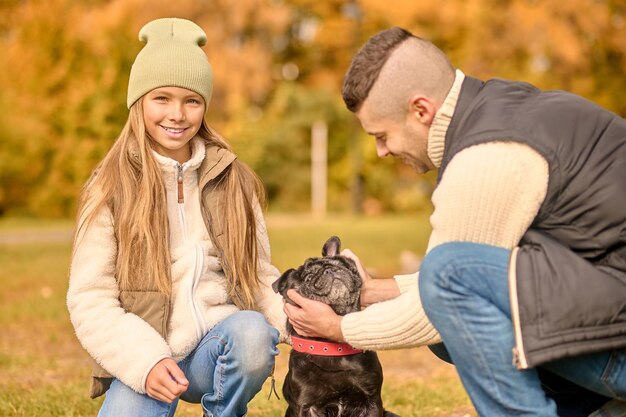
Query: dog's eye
[328,272]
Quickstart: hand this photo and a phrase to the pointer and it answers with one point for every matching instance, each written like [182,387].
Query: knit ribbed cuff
[394,324]
[406,282]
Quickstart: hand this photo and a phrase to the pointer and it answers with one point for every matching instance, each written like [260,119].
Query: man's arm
[315,319]
[377,290]
[489,194]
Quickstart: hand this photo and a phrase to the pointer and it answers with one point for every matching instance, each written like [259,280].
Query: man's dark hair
[367,64]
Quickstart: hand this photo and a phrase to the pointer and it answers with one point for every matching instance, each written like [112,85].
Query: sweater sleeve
[394,324]
[269,302]
[490,193]
[122,343]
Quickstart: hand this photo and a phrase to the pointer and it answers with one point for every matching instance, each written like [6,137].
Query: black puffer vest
[568,282]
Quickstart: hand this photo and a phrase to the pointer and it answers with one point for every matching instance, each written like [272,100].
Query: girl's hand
[166,381]
[312,318]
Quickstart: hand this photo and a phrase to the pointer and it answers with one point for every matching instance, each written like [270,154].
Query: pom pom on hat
[172,57]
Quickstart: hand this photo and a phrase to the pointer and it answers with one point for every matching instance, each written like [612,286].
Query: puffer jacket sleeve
[123,344]
[269,302]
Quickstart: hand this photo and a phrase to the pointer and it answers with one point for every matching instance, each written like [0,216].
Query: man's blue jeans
[225,371]
[464,291]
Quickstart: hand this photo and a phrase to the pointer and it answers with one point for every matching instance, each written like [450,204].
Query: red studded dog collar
[322,347]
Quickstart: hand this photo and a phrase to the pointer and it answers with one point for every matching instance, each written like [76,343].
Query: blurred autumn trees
[278,67]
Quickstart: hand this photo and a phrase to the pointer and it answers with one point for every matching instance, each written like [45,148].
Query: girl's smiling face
[173,116]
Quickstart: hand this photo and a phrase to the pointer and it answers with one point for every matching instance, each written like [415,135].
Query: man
[525,271]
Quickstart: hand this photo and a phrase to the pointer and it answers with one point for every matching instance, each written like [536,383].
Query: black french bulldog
[337,386]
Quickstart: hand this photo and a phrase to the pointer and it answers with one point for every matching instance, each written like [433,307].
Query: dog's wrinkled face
[332,279]
[322,385]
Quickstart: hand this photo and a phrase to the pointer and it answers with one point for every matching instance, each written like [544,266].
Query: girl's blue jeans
[464,291]
[225,371]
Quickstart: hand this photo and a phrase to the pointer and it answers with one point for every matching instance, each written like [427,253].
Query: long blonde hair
[128,181]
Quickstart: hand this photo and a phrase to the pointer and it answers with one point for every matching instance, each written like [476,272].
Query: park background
[278,67]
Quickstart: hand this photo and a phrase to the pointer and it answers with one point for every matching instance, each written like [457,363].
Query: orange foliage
[66,62]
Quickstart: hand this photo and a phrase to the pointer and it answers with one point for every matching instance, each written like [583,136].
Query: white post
[319,161]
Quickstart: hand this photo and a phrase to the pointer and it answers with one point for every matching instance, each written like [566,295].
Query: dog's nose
[324,282]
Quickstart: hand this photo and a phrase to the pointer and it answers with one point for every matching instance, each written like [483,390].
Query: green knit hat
[172,57]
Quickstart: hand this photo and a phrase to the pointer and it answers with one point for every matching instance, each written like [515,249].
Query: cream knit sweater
[489,193]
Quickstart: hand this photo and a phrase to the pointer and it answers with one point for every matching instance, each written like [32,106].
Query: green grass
[45,372]
[378,241]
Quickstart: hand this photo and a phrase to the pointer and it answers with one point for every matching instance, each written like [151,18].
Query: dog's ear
[280,284]
[331,247]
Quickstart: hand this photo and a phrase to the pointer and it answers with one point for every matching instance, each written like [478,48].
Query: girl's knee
[250,327]
[253,341]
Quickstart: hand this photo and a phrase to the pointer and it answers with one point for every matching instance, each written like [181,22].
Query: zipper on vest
[180,184]
[519,357]
[181,200]
[196,311]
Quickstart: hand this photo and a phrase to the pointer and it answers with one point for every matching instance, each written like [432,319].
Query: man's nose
[381,149]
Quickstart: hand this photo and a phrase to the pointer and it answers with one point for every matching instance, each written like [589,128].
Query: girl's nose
[177,112]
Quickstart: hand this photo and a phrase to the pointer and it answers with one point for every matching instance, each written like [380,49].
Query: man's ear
[423,108]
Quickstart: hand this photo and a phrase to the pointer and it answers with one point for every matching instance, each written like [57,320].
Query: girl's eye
[160,98]
[194,101]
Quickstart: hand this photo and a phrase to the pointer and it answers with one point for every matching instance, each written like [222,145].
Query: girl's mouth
[174,132]
[173,129]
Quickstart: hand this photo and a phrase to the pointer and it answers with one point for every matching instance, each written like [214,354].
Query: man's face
[405,138]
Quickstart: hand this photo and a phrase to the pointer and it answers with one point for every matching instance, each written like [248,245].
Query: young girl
[171,256]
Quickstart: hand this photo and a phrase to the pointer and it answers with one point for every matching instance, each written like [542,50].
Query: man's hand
[372,290]
[166,381]
[312,318]
[365,277]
